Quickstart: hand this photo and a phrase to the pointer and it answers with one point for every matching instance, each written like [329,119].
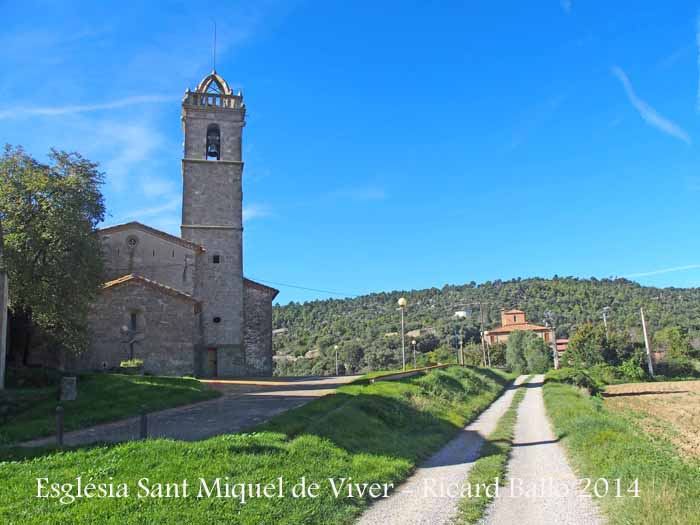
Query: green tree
[537,355]
[49,213]
[515,351]
[587,346]
[674,341]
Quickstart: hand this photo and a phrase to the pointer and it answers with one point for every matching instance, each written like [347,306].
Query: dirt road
[542,489]
[431,495]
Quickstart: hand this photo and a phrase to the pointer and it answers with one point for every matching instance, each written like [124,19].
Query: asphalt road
[244,403]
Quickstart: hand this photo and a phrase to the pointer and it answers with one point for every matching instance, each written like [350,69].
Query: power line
[330,292]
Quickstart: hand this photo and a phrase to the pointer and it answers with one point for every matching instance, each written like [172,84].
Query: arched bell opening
[213,142]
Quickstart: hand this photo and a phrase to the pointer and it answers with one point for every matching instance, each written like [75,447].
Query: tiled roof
[518,326]
[138,279]
[269,289]
[152,231]
[514,311]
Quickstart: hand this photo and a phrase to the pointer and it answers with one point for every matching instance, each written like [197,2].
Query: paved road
[242,405]
[431,495]
[549,494]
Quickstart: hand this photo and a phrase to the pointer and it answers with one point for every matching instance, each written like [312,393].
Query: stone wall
[167,324]
[257,338]
[152,256]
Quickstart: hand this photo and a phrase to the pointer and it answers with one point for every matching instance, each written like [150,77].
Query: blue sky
[390,145]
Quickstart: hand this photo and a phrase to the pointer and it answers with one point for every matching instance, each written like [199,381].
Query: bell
[213,150]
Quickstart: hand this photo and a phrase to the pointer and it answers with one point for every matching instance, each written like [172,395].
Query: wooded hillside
[360,325]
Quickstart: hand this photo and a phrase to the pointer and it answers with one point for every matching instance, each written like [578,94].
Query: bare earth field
[670,410]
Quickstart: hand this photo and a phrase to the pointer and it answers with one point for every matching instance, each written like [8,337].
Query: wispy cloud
[132,145]
[662,271]
[170,205]
[156,187]
[84,108]
[566,5]
[255,211]
[649,114]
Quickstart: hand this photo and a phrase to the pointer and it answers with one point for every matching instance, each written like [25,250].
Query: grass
[495,454]
[101,398]
[370,433]
[602,444]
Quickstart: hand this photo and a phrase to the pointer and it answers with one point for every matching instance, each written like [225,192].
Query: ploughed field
[669,410]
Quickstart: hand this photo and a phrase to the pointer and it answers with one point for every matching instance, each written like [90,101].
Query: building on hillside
[181,304]
[562,345]
[512,320]
[421,332]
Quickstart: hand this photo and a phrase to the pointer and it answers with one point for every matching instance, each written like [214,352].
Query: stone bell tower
[213,119]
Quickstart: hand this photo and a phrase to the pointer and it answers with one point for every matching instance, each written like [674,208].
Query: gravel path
[431,495]
[549,494]
[243,404]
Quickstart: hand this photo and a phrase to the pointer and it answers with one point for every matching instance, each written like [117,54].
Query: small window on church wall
[213,142]
[216,259]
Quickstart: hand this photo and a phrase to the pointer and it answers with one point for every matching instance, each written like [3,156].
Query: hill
[366,327]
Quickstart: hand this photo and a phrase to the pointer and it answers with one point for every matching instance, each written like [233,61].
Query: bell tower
[213,118]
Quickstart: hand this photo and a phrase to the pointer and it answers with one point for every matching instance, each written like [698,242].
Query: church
[182,304]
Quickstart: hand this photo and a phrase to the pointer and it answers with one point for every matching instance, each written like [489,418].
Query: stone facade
[181,304]
[257,339]
[167,328]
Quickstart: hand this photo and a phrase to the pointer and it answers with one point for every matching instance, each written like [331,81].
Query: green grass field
[370,433]
[101,398]
[601,444]
[492,464]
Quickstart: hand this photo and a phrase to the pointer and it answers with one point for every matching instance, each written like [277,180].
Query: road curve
[542,488]
[432,494]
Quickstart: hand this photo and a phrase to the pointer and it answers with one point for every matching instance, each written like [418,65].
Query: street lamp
[336,360]
[402,306]
[413,343]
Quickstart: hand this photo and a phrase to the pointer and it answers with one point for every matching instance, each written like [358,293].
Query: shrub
[676,367]
[574,376]
[632,369]
[606,374]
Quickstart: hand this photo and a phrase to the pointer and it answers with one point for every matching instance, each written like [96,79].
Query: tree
[586,346]
[537,355]
[674,341]
[49,213]
[515,351]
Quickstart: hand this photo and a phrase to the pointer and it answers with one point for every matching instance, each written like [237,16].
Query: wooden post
[143,425]
[646,343]
[59,425]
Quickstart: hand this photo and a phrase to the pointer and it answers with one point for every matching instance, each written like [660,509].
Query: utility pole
[413,344]
[336,360]
[646,343]
[486,352]
[605,321]
[549,321]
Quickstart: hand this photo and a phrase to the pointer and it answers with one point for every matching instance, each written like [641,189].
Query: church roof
[514,311]
[269,289]
[138,279]
[163,235]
